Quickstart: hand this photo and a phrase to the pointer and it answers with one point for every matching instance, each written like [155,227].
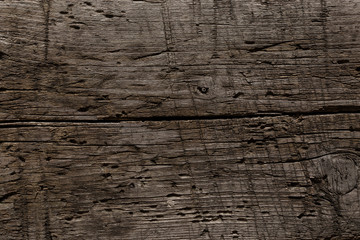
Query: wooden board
[179,119]
[251,178]
[96,60]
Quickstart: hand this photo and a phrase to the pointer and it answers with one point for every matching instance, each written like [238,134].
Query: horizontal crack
[6,196]
[22,122]
[263,48]
[149,55]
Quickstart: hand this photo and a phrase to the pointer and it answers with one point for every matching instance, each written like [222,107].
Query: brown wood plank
[93,60]
[251,178]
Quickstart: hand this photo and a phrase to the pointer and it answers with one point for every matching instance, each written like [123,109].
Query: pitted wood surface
[259,178]
[186,119]
[102,59]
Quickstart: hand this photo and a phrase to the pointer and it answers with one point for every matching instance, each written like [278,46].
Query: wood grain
[96,60]
[179,119]
[251,178]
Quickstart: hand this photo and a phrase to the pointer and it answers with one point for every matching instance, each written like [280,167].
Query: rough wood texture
[259,178]
[186,119]
[105,59]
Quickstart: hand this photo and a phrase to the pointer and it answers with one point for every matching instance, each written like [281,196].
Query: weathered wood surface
[251,178]
[164,119]
[105,59]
